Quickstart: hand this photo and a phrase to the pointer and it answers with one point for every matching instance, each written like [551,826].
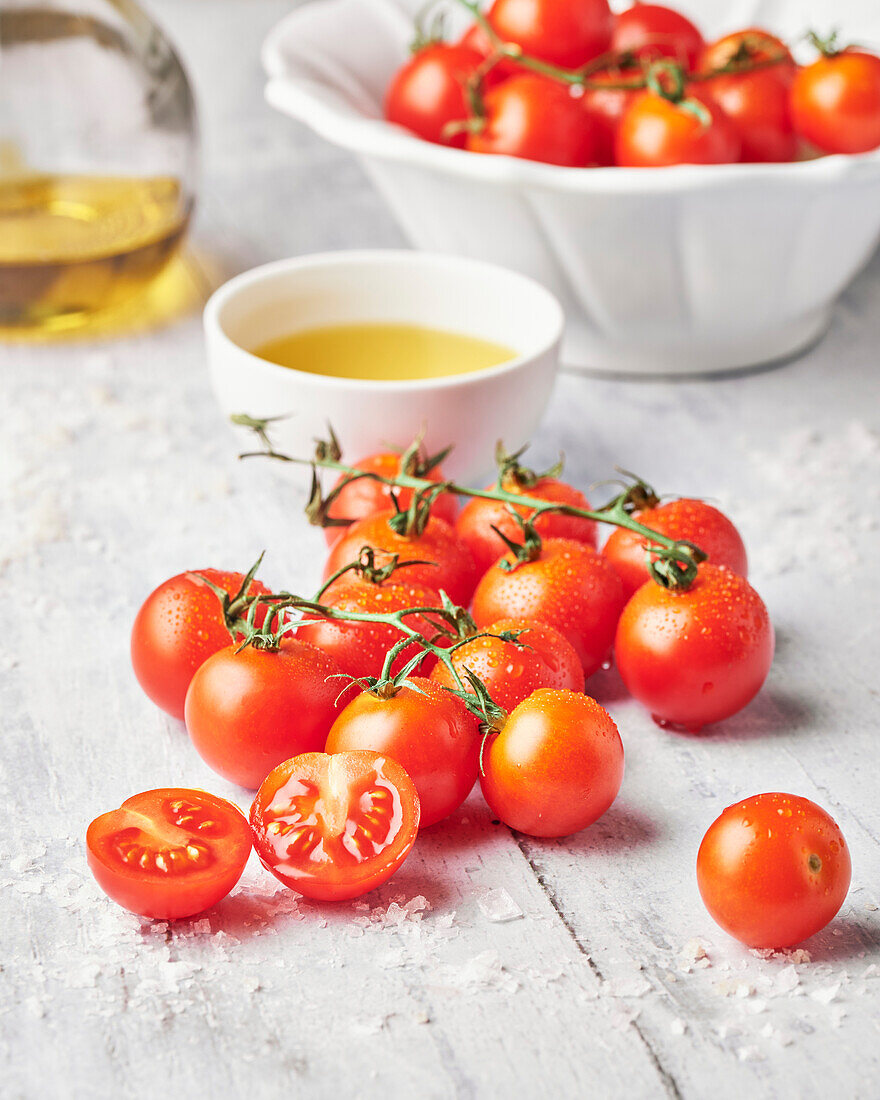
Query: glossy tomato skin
[247,712]
[685,519]
[773,870]
[479,516]
[426,730]
[454,570]
[364,497]
[570,586]
[335,827]
[607,105]
[835,102]
[655,133]
[511,672]
[169,853]
[697,656]
[177,629]
[476,39]
[651,31]
[535,118]
[555,767]
[567,33]
[753,44]
[757,104]
[428,92]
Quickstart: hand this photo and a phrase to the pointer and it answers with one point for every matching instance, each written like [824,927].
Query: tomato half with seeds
[835,102]
[555,766]
[430,732]
[169,853]
[177,629]
[335,827]
[773,870]
[698,655]
[651,31]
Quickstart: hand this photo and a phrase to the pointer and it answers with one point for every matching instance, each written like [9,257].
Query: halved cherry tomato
[453,570]
[555,767]
[773,870]
[512,671]
[567,33]
[835,102]
[169,853]
[177,629]
[569,586]
[335,827]
[685,519]
[651,31]
[656,132]
[428,92]
[696,656]
[246,712]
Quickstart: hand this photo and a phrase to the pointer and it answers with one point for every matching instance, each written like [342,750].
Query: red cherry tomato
[479,516]
[567,33]
[425,729]
[650,31]
[429,92]
[773,870]
[687,520]
[569,586]
[695,656]
[655,132]
[475,38]
[607,103]
[177,629]
[757,106]
[750,46]
[511,672]
[835,102]
[335,827]
[536,118]
[364,497]
[555,767]
[454,570]
[169,853]
[246,712]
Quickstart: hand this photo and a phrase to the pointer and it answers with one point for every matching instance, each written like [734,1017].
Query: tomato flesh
[169,853]
[335,827]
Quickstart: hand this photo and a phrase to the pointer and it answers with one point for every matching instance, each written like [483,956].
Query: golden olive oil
[383,352]
[71,245]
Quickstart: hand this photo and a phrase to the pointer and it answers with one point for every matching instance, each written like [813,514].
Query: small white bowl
[443,292]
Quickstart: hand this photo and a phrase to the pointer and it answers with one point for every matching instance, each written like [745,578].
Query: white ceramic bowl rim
[213,313]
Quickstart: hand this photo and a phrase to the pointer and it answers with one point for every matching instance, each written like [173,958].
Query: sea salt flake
[497,905]
[744,989]
[201,927]
[826,994]
[787,980]
[838,1015]
[630,987]
[750,1054]
[678,1027]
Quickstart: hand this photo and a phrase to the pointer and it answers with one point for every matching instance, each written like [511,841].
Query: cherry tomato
[567,33]
[335,827]
[555,767]
[655,132]
[177,629]
[607,104]
[364,497]
[773,870]
[360,648]
[476,39]
[757,106]
[511,672]
[750,46]
[479,516]
[686,519]
[169,853]
[429,732]
[248,711]
[428,92]
[536,118]
[454,570]
[835,102]
[695,656]
[569,586]
[650,31]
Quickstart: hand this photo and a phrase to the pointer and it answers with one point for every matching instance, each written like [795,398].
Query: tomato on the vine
[651,31]
[773,870]
[568,585]
[335,827]
[566,33]
[697,655]
[685,520]
[427,730]
[618,86]
[753,46]
[657,131]
[835,102]
[428,92]
[555,766]
[476,38]
[169,853]
[248,711]
[511,671]
[177,629]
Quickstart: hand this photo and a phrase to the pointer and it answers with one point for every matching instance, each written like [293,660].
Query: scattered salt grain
[201,927]
[497,905]
[750,1054]
[826,994]
[678,1027]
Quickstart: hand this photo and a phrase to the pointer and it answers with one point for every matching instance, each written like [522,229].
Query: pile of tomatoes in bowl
[447,647]
[568,82]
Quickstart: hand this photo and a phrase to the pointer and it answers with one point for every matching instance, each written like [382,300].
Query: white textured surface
[116,471]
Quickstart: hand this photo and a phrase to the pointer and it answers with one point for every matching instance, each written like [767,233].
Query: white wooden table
[610,979]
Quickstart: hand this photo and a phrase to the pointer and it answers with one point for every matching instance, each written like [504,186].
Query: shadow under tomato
[846,937]
[606,686]
[772,713]
[620,829]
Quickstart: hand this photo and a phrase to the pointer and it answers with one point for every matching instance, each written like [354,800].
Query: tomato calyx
[365,567]
[666,79]
[416,462]
[828,45]
[235,607]
[428,33]
[528,550]
[512,471]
